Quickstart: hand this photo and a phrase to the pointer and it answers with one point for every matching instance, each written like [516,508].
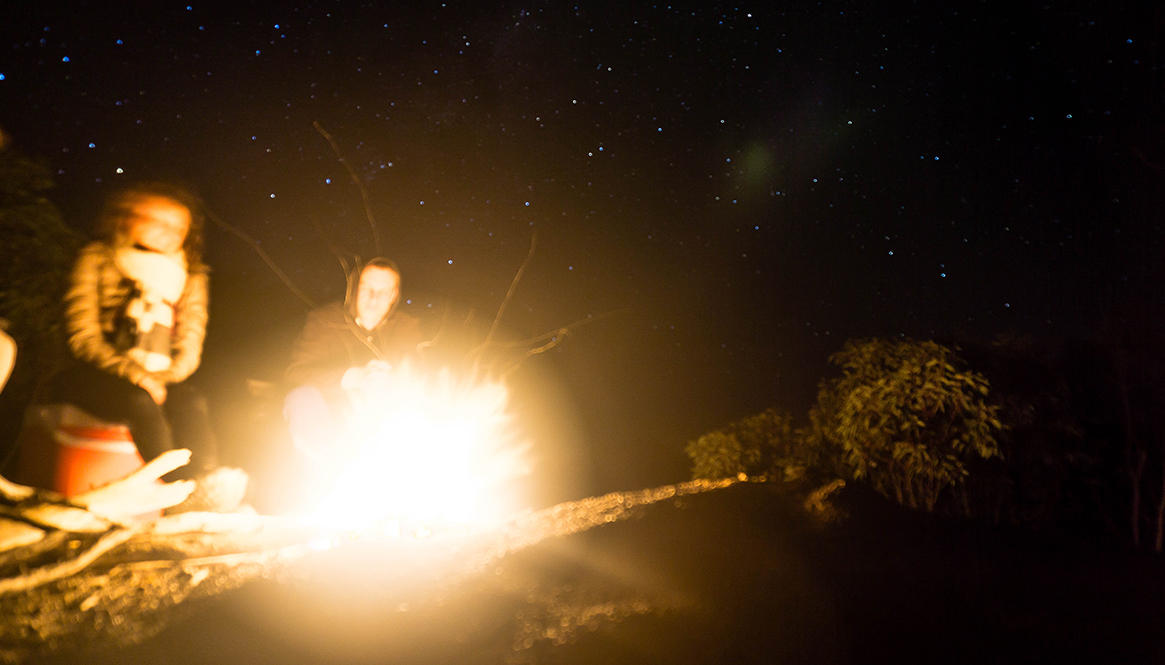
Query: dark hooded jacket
[332,342]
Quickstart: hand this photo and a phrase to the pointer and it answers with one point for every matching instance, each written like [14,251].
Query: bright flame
[429,451]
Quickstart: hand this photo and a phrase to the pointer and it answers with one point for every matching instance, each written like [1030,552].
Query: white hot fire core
[429,451]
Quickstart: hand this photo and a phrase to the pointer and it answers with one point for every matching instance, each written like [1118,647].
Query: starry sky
[729,191]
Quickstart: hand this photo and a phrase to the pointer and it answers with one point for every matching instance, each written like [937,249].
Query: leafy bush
[763,444]
[904,416]
[907,417]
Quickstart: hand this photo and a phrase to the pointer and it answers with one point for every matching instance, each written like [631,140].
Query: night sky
[738,189]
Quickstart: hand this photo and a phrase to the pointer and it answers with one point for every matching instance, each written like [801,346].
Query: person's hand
[377,366]
[373,374]
[154,387]
[351,378]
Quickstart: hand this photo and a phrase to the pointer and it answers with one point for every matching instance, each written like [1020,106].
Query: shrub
[763,444]
[907,417]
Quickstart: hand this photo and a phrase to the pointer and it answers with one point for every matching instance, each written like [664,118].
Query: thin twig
[263,557]
[570,327]
[555,336]
[560,335]
[355,179]
[29,552]
[440,331]
[506,301]
[263,255]
[340,253]
[64,569]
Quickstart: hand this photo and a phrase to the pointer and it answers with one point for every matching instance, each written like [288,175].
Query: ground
[736,574]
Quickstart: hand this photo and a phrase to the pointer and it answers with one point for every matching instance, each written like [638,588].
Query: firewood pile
[91,569]
[95,567]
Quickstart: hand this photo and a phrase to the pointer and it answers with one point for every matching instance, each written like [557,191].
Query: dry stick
[263,255]
[505,301]
[64,569]
[440,331]
[13,492]
[32,550]
[556,337]
[560,335]
[230,560]
[355,179]
[570,327]
[340,253]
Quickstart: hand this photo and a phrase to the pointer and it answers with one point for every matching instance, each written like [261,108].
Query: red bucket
[69,451]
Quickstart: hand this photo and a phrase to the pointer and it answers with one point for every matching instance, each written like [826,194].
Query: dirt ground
[735,575]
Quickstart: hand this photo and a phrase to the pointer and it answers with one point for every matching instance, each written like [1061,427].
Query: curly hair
[118,210]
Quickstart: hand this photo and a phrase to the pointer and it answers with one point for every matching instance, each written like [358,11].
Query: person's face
[378,290]
[159,224]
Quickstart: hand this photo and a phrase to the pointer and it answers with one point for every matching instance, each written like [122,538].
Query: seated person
[342,346]
[135,316]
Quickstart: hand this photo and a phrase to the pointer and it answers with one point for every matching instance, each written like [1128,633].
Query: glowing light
[430,452]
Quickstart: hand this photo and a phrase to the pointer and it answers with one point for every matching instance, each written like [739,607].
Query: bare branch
[355,179]
[72,566]
[555,336]
[559,336]
[440,331]
[29,552]
[570,327]
[505,301]
[263,255]
[340,253]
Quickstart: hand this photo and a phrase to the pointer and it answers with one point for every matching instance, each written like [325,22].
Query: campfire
[429,452]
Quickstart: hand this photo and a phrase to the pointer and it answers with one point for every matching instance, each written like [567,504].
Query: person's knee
[141,407]
[188,399]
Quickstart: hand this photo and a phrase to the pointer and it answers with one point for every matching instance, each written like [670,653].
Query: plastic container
[66,450]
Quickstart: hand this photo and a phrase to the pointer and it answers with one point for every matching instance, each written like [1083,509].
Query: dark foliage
[759,445]
[37,249]
[904,415]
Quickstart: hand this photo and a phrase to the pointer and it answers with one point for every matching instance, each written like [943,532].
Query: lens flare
[430,451]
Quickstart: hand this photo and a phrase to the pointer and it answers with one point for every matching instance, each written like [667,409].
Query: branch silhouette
[355,179]
[263,255]
[502,309]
